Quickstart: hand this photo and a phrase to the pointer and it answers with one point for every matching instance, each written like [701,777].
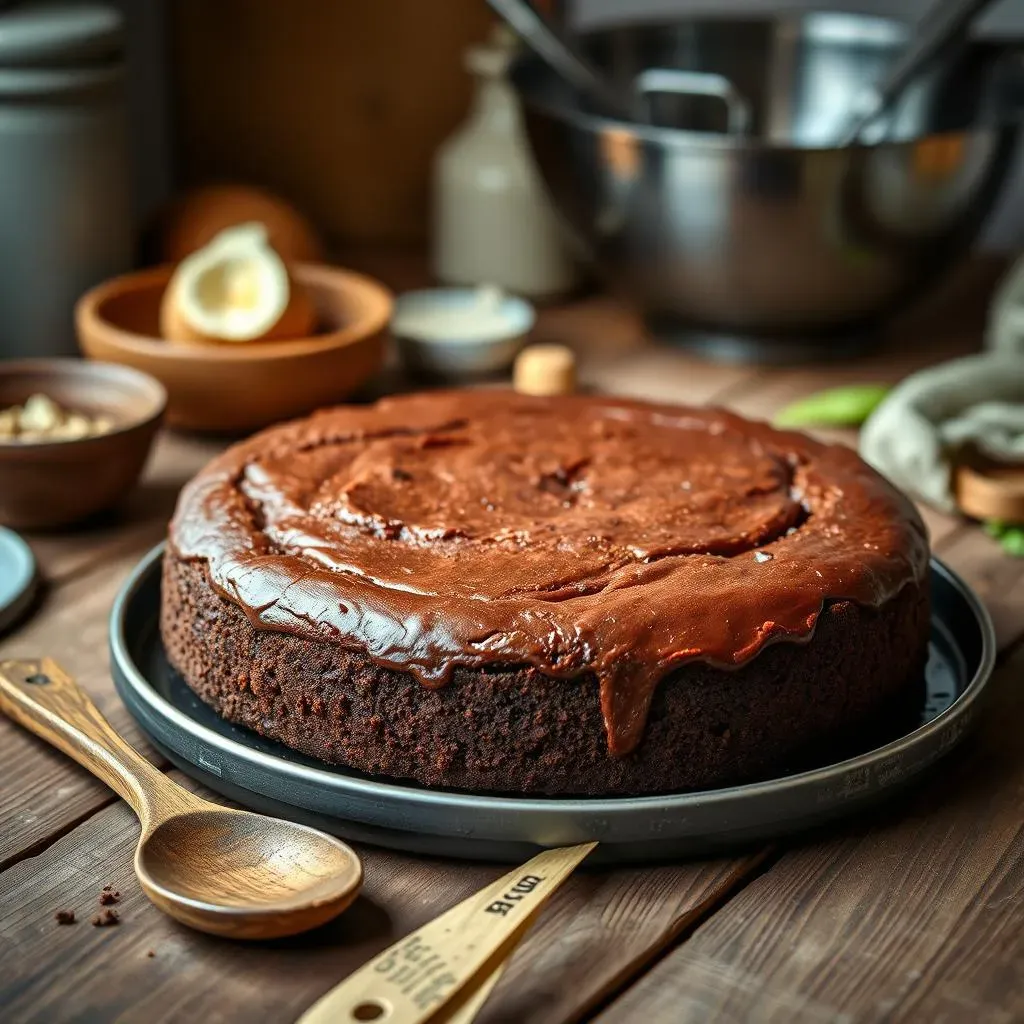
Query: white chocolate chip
[9,423]
[74,427]
[41,414]
[42,420]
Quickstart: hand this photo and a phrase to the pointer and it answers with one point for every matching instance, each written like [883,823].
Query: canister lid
[59,35]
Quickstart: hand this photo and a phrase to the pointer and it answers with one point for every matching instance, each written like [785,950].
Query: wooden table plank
[604,933]
[105,974]
[979,972]
[602,928]
[997,578]
[46,793]
[862,927]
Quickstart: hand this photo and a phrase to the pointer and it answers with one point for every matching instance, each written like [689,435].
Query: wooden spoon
[227,872]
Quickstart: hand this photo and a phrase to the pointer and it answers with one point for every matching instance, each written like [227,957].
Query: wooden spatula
[456,959]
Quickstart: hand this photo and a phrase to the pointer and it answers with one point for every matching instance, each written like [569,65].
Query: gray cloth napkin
[913,436]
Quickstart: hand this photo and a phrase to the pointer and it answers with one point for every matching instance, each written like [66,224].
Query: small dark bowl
[51,484]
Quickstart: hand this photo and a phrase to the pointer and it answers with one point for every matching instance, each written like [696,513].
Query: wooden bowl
[234,387]
[49,484]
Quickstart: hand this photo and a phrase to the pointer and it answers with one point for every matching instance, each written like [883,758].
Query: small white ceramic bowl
[419,333]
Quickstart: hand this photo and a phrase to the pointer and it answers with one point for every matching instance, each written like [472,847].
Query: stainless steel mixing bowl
[732,219]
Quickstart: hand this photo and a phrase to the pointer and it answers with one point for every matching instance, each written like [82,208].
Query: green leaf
[995,527]
[1009,535]
[837,407]
[1013,541]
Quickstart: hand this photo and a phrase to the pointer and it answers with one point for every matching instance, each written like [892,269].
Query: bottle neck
[495,105]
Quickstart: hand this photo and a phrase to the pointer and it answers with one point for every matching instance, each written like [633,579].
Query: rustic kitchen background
[910,913]
[341,105]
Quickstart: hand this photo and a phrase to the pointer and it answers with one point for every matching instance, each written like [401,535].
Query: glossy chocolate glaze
[576,535]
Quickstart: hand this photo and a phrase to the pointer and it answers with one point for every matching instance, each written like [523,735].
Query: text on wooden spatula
[410,981]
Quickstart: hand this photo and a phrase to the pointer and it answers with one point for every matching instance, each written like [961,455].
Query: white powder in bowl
[483,315]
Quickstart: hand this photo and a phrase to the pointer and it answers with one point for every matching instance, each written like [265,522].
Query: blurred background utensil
[560,53]
[774,244]
[944,26]
[241,387]
[66,217]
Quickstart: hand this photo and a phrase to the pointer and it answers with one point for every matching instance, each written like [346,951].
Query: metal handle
[561,54]
[943,27]
[697,83]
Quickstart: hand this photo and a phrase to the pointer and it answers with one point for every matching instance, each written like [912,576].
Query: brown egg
[192,222]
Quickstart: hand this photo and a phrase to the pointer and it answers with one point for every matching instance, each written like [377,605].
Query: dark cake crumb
[65,917]
[109,895]
[106,918]
[150,953]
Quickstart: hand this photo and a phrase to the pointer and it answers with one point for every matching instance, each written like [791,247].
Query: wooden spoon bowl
[219,870]
[244,875]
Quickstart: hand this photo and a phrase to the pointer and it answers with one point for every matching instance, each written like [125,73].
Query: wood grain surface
[912,914]
[859,927]
[349,131]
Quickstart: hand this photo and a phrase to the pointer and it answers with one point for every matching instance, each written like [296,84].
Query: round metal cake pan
[269,777]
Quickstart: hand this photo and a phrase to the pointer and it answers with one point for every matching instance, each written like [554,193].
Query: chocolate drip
[577,535]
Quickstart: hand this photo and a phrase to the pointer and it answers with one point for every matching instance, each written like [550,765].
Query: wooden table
[913,914]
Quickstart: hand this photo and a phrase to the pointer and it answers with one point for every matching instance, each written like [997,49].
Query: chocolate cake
[583,595]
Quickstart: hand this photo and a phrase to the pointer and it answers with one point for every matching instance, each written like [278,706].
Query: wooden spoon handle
[43,698]
[410,982]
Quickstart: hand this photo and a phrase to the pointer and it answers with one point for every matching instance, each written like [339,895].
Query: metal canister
[65,186]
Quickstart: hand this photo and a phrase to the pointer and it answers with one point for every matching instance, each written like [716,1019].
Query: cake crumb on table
[109,895]
[106,918]
[65,917]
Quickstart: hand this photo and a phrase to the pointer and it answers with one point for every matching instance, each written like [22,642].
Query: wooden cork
[990,491]
[545,370]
